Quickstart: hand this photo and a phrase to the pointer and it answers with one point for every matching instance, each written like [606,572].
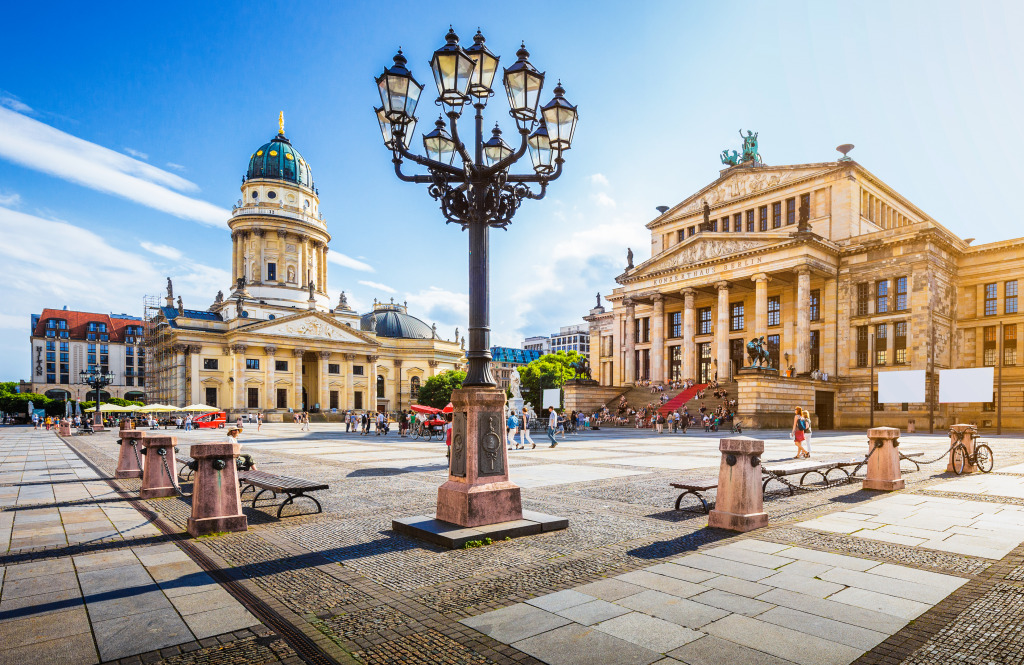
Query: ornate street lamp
[478,192]
[96,380]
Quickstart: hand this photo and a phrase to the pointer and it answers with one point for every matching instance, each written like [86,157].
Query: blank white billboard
[966,385]
[552,397]
[899,387]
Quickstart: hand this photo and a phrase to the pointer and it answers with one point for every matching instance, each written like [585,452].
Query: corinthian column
[803,320]
[658,339]
[760,304]
[325,402]
[630,345]
[239,400]
[689,331]
[269,392]
[722,331]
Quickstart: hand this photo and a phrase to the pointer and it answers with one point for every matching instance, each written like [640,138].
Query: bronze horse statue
[758,352]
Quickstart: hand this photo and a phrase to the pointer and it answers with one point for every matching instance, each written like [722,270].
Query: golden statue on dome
[280,123]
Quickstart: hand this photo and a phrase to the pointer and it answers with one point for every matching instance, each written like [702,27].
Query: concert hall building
[867,283]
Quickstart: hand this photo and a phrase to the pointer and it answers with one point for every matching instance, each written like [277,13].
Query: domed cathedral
[277,342]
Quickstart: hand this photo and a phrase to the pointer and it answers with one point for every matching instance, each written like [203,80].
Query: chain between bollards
[167,469]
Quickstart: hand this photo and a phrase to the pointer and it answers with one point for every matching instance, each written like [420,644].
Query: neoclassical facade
[277,342]
[837,272]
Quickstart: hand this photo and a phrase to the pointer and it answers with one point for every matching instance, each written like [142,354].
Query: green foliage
[470,544]
[122,402]
[17,403]
[551,370]
[437,390]
[8,387]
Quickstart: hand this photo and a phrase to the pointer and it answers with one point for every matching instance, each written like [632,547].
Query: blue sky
[125,130]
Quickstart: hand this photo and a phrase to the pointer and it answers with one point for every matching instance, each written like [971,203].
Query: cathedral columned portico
[836,273]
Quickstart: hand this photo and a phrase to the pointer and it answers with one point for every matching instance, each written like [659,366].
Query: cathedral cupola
[278,160]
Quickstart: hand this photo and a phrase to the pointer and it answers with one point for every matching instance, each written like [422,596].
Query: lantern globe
[523,84]
[486,67]
[453,69]
[560,117]
[495,149]
[399,91]
[540,150]
[439,144]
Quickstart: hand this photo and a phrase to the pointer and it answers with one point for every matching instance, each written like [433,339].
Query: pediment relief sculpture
[707,250]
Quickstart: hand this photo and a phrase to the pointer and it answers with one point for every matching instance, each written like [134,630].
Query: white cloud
[9,199]
[39,146]
[437,304]
[348,262]
[12,102]
[15,321]
[176,167]
[377,285]
[599,180]
[136,153]
[161,250]
[604,200]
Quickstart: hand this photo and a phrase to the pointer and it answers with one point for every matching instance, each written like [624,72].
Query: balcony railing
[277,212]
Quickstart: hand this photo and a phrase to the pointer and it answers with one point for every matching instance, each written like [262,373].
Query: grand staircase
[682,398]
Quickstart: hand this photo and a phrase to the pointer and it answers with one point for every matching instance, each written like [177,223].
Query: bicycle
[982,456]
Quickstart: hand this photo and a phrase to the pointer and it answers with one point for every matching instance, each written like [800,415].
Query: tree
[437,390]
[551,370]
[17,403]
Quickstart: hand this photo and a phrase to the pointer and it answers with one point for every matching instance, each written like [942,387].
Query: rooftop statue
[750,154]
[629,258]
[170,288]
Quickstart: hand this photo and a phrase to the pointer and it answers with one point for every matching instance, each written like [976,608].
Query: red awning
[419,408]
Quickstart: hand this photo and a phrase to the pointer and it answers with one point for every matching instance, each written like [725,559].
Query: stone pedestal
[478,491]
[64,428]
[126,424]
[131,454]
[216,503]
[884,463]
[969,432]
[158,481]
[739,505]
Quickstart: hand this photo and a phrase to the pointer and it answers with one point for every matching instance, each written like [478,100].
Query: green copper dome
[278,160]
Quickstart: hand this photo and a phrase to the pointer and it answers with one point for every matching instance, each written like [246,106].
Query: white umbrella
[199,407]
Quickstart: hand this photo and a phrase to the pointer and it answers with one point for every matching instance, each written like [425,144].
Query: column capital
[803,270]
[281,233]
[373,359]
[398,362]
[722,285]
[628,303]
[688,291]
[433,363]
[270,350]
[760,277]
[658,297]
[258,232]
[225,350]
[195,348]
[325,354]
[239,348]
[181,348]
[350,357]
[298,353]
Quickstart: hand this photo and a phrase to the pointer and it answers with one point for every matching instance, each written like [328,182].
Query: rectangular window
[881,296]
[990,300]
[805,200]
[901,294]
[357,400]
[681,235]
[51,346]
[282,398]
[750,221]
[990,346]
[333,368]
[815,304]
[704,321]
[691,231]
[725,224]
[774,310]
[1010,297]
[815,350]
[272,272]
[676,324]
[51,378]
[762,213]
[254,398]
[357,370]
[736,318]
[51,356]
[773,350]
[252,363]
[210,363]
[862,346]
[714,224]
[1010,344]
[737,222]
[900,343]
[280,365]
[643,330]
[64,346]
[881,346]
[129,380]
[863,298]
[790,211]
[334,399]
[776,214]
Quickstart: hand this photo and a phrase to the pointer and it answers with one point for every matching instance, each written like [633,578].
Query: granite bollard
[64,427]
[739,505]
[969,432]
[158,480]
[130,457]
[216,502]
[884,463]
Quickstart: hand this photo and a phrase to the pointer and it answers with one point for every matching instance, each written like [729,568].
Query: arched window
[414,385]
[380,386]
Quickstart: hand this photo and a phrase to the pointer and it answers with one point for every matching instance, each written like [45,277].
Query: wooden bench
[695,487]
[295,488]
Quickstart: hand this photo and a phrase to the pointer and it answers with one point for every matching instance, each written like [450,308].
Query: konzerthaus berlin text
[863,272]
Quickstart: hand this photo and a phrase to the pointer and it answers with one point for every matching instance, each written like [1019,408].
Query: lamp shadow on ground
[684,544]
[395,471]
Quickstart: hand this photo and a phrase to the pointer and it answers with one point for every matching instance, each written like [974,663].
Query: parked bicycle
[982,456]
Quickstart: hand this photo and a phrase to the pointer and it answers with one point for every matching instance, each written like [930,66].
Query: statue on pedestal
[311,287]
[629,258]
[181,307]
[170,288]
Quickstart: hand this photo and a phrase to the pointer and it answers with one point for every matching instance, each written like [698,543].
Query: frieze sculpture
[707,250]
[757,350]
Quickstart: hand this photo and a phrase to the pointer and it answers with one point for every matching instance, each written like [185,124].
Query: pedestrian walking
[259,421]
[799,427]
[305,421]
[807,431]
[510,431]
[552,425]
[524,427]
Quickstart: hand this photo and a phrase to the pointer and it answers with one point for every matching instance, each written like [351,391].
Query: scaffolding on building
[162,378]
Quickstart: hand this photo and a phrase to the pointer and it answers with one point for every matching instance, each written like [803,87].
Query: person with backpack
[799,427]
[807,431]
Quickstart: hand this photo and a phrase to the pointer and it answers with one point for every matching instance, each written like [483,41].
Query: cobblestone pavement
[378,597]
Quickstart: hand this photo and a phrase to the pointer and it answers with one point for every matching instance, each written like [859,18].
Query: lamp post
[96,380]
[477,191]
